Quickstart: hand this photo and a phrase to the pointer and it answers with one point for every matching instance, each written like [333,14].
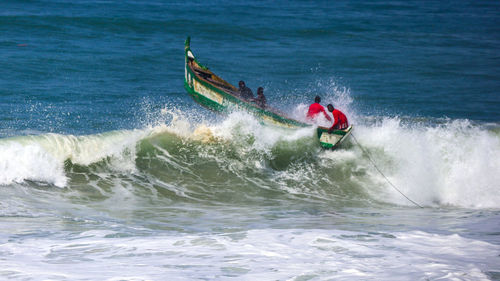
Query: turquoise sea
[110,171]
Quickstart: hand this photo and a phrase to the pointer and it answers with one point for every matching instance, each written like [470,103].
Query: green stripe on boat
[216,94]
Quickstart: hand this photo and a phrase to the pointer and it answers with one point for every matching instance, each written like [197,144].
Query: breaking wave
[436,162]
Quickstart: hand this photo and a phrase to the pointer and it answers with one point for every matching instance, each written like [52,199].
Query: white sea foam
[454,163]
[260,254]
[41,158]
[241,124]
[29,162]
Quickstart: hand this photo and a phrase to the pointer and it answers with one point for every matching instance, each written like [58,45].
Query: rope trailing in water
[375,165]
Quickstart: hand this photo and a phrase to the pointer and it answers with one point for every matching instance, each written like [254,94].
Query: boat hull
[334,139]
[214,93]
[218,95]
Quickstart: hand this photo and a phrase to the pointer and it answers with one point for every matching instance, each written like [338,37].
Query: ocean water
[110,171]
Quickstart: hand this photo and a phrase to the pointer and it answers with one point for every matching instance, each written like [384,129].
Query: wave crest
[450,163]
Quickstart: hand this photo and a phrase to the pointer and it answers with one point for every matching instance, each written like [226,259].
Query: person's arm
[334,124]
[250,93]
[326,115]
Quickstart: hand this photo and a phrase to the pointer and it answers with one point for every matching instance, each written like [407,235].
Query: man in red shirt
[315,109]
[340,122]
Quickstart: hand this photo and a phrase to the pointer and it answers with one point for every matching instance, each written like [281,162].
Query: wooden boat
[334,139]
[216,94]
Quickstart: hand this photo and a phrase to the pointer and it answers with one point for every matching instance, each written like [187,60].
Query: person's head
[330,107]
[241,84]
[260,91]
[317,99]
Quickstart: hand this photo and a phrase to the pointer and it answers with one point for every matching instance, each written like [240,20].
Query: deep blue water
[88,66]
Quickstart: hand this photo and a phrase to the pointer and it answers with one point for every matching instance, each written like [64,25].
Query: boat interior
[211,78]
[207,75]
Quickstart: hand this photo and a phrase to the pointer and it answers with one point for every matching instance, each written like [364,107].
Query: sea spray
[42,157]
[20,162]
[330,92]
[454,163]
[451,163]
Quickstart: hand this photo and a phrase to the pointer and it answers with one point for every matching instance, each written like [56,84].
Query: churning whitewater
[161,198]
[451,162]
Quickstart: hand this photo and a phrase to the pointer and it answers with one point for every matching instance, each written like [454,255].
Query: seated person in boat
[260,100]
[340,122]
[245,92]
[315,109]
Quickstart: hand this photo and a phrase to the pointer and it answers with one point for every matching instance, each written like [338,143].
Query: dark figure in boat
[260,100]
[340,122]
[245,92]
[315,109]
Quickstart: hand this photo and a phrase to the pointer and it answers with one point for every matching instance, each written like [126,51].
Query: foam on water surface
[250,255]
[453,163]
